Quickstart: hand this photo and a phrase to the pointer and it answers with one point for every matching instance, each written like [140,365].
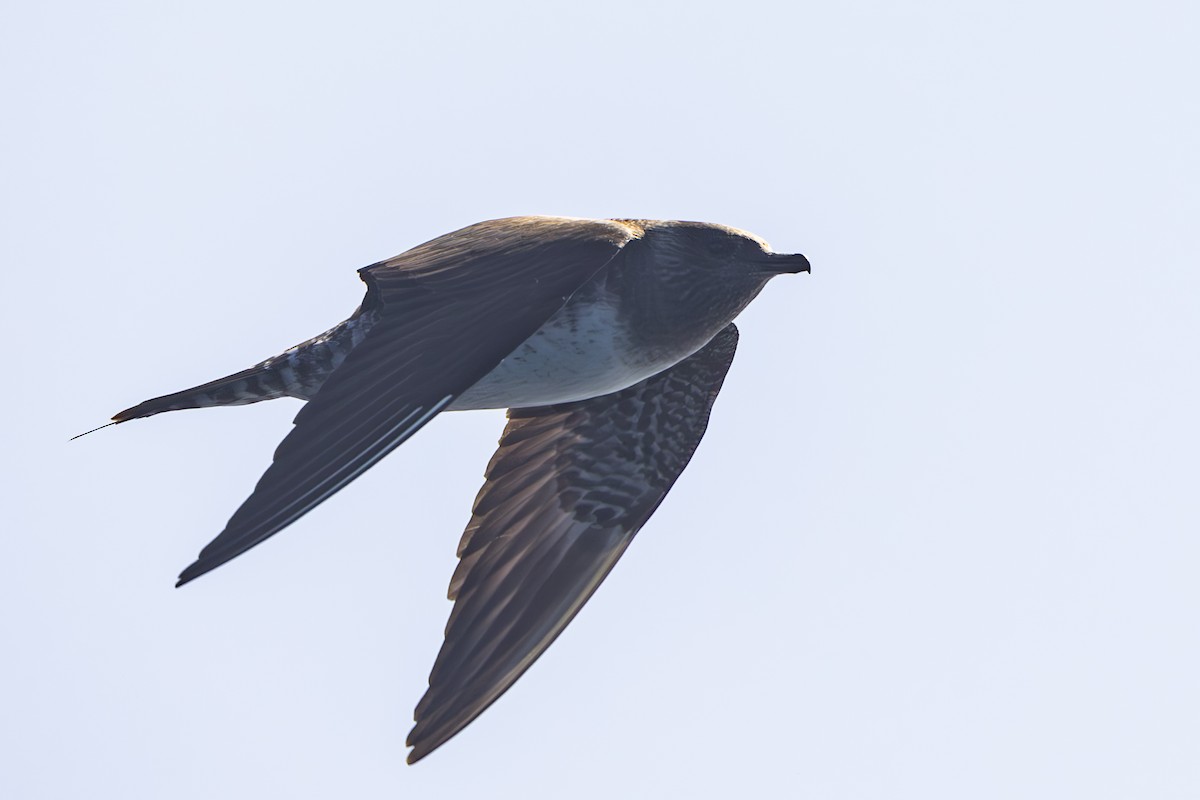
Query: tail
[260,382]
[298,372]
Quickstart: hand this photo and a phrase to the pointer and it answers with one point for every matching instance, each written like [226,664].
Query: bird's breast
[583,351]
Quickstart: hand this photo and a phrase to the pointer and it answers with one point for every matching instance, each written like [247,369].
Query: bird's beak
[780,263]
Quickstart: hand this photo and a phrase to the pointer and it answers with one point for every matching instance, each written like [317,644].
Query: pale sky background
[942,539]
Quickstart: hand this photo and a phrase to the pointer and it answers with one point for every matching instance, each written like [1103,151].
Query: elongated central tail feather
[261,382]
[298,372]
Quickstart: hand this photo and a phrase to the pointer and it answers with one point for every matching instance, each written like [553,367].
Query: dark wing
[447,313]
[565,494]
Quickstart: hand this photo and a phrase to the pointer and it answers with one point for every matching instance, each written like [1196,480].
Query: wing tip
[421,744]
[195,570]
[431,730]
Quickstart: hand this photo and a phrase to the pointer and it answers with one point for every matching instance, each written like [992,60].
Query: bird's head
[728,253]
[696,275]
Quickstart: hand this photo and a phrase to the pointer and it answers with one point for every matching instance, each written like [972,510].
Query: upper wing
[565,494]
[448,312]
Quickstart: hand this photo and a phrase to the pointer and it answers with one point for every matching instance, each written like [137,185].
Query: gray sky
[941,538]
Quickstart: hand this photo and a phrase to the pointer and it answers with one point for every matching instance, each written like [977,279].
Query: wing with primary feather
[448,312]
[565,493]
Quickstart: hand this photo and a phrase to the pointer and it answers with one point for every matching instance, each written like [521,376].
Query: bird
[606,339]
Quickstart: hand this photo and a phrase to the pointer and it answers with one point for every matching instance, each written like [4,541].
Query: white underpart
[581,352]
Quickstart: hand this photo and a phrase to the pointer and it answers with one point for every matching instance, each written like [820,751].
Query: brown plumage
[609,340]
